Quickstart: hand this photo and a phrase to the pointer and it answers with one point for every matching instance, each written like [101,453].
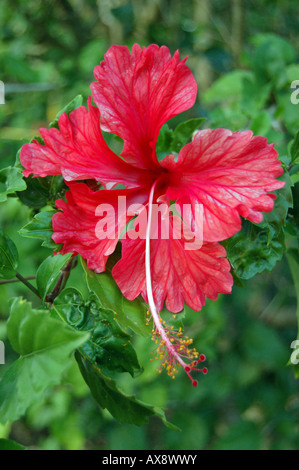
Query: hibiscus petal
[77,226]
[78,151]
[230,174]
[137,93]
[179,275]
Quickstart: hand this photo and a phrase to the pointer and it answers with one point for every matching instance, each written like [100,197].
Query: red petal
[228,173]
[77,151]
[137,93]
[178,275]
[76,226]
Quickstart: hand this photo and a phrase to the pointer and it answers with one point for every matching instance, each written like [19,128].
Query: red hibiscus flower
[227,174]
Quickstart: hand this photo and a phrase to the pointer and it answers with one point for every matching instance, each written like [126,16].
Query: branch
[11,281]
[62,280]
[27,284]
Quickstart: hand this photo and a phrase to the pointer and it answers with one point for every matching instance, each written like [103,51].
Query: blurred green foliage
[243,55]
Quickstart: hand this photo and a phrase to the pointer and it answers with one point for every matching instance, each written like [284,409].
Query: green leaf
[74,104]
[41,192]
[107,351]
[8,257]
[233,116]
[271,57]
[123,407]
[276,219]
[258,247]
[227,87]
[254,250]
[261,124]
[254,96]
[40,227]
[44,345]
[292,226]
[109,347]
[182,134]
[6,444]
[49,272]
[288,112]
[292,72]
[130,314]
[17,164]
[171,142]
[35,196]
[294,174]
[11,180]
[164,142]
[294,149]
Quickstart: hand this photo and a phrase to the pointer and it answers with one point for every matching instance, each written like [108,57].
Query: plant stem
[65,273]
[63,278]
[30,286]
[11,281]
